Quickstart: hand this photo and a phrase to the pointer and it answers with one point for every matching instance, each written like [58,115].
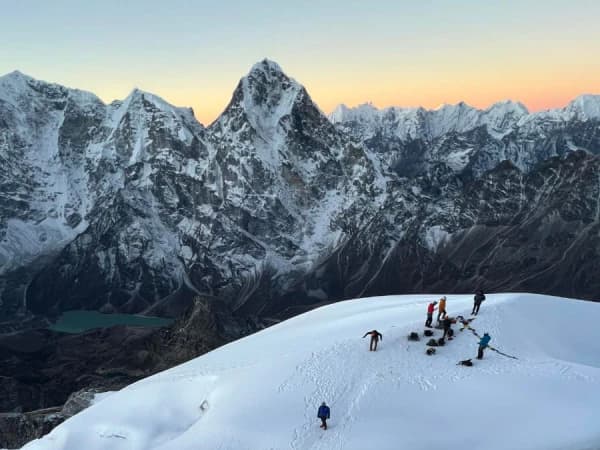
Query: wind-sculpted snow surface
[262,392]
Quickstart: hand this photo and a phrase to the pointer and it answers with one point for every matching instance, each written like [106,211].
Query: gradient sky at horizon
[417,53]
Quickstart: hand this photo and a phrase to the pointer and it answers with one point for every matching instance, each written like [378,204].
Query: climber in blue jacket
[483,343]
[323,414]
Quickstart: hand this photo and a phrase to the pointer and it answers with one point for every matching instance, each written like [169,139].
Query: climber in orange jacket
[442,309]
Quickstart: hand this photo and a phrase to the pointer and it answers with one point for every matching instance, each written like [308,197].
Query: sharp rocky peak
[263,99]
[266,66]
[268,90]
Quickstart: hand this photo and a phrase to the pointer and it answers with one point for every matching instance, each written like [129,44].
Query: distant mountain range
[136,207]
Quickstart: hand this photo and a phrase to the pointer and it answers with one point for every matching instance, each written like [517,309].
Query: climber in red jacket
[430,310]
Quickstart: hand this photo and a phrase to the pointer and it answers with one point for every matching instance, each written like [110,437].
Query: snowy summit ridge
[412,123]
[500,118]
[585,107]
[263,391]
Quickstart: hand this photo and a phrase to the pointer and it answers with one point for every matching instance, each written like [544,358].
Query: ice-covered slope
[44,196]
[262,392]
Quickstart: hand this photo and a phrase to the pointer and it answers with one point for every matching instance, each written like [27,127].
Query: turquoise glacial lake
[80,321]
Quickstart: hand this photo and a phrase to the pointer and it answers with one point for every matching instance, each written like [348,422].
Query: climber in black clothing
[479,297]
[375,336]
[447,324]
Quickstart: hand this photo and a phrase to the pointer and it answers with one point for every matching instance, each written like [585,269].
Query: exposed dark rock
[16,429]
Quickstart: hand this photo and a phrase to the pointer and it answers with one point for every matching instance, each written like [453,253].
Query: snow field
[262,392]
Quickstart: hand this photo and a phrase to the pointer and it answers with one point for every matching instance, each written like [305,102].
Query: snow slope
[262,392]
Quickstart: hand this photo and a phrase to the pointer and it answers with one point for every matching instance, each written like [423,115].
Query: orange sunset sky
[542,53]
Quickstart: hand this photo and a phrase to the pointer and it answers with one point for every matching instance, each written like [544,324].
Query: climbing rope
[465,324]
[501,353]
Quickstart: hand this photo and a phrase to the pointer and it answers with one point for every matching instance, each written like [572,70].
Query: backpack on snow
[430,351]
[466,362]
[432,343]
[428,333]
[414,336]
[441,342]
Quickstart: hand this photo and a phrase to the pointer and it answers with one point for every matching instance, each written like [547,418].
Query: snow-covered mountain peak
[452,106]
[266,66]
[140,104]
[411,123]
[403,122]
[15,75]
[14,83]
[137,95]
[508,106]
[453,110]
[501,117]
[365,112]
[268,91]
[339,114]
[264,97]
[17,87]
[459,117]
[585,107]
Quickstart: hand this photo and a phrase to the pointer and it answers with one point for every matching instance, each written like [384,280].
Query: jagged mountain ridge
[179,210]
[508,230]
[270,208]
[469,140]
[82,157]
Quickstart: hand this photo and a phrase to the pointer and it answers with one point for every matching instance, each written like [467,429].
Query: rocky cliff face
[136,207]
[506,231]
